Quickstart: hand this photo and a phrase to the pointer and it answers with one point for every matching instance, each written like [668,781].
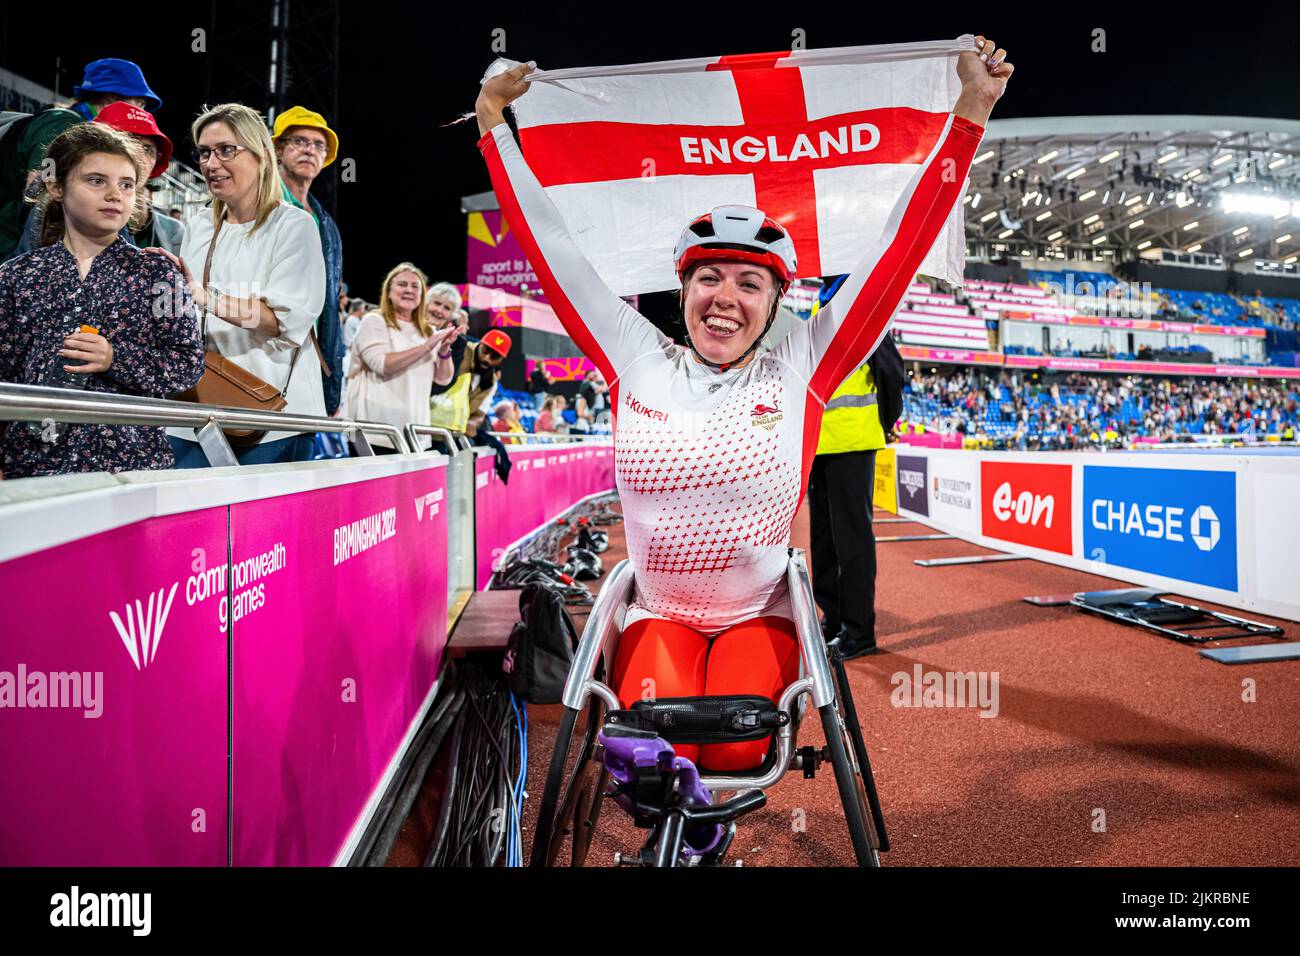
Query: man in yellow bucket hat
[305,145]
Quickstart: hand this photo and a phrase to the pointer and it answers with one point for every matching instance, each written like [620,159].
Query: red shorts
[659,659]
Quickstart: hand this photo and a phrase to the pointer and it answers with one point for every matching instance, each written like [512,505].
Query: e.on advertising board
[1222,528]
[1027,504]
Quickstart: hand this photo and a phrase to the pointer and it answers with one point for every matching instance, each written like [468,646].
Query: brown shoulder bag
[225,383]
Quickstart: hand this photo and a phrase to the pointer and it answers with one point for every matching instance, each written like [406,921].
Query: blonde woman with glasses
[397,356]
[255,268]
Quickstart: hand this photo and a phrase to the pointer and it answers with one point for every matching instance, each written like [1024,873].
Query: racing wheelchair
[627,755]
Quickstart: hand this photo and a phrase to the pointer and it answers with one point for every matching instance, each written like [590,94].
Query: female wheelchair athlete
[627,754]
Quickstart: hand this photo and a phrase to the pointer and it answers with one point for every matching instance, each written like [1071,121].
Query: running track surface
[1111,747]
[1092,716]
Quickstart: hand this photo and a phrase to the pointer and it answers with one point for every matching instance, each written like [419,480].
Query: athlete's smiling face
[727,305]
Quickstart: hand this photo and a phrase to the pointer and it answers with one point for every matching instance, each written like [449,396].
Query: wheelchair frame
[572,800]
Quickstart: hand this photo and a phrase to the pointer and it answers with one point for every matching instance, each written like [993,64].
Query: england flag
[824,141]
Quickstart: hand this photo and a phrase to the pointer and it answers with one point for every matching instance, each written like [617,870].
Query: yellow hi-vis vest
[851,421]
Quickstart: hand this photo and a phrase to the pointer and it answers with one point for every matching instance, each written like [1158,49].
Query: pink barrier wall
[130,770]
[328,606]
[543,483]
[504,512]
[337,647]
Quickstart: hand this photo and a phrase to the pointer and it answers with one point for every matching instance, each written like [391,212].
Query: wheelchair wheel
[586,812]
[852,792]
[572,796]
[859,751]
[862,784]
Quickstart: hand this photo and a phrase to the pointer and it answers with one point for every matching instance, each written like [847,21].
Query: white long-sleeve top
[396,399]
[711,465]
[282,263]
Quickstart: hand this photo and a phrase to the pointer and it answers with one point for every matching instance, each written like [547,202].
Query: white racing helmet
[740,234]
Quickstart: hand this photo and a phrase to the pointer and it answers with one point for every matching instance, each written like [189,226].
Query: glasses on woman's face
[225,152]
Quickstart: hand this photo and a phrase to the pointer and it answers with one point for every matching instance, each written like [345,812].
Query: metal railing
[456,441]
[39,403]
[460,509]
[35,403]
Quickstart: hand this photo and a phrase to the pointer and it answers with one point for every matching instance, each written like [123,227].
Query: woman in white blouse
[397,356]
[265,286]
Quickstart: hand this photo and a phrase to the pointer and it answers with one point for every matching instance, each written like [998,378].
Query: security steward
[856,424]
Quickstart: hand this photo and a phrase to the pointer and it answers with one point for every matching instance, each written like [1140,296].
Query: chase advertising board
[1176,523]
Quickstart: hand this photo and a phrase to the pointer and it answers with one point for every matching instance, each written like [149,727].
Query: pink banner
[921,354]
[544,482]
[561,369]
[1159,368]
[494,258]
[113,710]
[340,612]
[1140,325]
[509,311]
[1247,330]
[933,440]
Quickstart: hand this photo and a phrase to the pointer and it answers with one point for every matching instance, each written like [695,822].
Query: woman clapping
[397,356]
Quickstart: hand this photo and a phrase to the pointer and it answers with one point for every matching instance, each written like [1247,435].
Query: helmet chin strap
[723,366]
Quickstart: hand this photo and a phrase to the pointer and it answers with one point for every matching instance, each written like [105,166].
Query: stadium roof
[1136,183]
[1123,187]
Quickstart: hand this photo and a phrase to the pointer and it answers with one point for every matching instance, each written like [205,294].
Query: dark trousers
[843,545]
[377,449]
[189,454]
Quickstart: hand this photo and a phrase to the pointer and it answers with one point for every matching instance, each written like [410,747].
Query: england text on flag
[822,140]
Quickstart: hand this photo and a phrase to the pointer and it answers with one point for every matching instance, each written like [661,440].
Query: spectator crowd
[242,303]
[1064,412]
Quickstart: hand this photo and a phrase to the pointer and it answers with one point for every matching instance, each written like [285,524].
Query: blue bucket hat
[116,76]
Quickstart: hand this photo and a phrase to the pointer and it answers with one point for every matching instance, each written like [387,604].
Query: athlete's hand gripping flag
[824,141]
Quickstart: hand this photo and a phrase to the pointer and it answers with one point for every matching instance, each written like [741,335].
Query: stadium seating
[936,320]
[1078,410]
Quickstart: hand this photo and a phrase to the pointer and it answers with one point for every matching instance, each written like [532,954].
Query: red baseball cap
[498,342]
[131,119]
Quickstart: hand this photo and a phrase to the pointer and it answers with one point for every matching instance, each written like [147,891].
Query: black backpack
[541,646]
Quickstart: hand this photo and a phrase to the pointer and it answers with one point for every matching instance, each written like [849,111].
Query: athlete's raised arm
[845,333]
[608,330]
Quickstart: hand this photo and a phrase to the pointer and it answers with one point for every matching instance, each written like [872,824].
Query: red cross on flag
[824,141]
